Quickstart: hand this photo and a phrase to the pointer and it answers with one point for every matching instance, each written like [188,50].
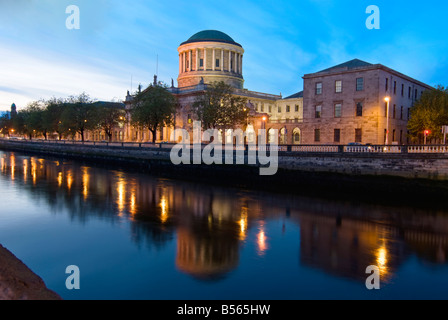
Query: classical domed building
[213,56]
[210,56]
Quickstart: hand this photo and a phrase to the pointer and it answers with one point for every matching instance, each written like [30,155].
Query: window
[402,90]
[359,84]
[416,94]
[288,109]
[395,87]
[318,113]
[358,135]
[337,135]
[395,111]
[359,109]
[201,63]
[338,110]
[409,113]
[279,109]
[316,135]
[393,135]
[409,93]
[319,88]
[217,63]
[401,113]
[338,86]
[401,136]
[297,108]
[262,108]
[270,109]
[387,84]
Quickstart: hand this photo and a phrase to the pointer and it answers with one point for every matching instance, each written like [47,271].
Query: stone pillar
[190,64]
[184,58]
[230,61]
[214,59]
[205,59]
[222,60]
[180,63]
[241,64]
[197,59]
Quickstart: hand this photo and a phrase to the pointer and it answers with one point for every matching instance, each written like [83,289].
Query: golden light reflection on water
[243,223]
[33,170]
[69,180]
[382,261]
[85,182]
[121,195]
[25,170]
[13,166]
[164,209]
[262,240]
[59,179]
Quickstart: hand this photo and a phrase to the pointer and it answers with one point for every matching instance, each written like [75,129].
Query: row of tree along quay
[64,118]
[152,109]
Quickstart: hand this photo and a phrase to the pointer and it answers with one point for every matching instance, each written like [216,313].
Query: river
[138,236]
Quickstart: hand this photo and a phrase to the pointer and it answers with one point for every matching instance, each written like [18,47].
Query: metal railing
[352,149]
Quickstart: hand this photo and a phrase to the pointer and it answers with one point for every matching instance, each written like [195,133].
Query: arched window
[271,136]
[283,137]
[296,136]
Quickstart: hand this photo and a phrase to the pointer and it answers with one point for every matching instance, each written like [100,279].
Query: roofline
[365,68]
[210,40]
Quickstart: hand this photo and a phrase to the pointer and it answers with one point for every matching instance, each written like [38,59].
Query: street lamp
[427,133]
[387,99]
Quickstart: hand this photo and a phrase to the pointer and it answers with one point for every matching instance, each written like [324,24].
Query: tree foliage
[153,109]
[219,108]
[429,113]
[79,115]
[108,116]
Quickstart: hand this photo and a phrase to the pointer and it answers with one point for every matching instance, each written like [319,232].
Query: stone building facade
[347,104]
[340,105]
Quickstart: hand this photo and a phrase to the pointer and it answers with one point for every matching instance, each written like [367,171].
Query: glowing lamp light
[427,132]
[264,118]
[387,99]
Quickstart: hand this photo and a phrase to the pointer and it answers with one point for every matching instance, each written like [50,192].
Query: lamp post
[427,132]
[387,99]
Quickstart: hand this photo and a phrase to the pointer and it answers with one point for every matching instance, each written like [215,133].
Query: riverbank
[370,177]
[18,282]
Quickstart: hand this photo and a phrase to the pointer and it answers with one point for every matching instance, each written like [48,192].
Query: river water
[137,236]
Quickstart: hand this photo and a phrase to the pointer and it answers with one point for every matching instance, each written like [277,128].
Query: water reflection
[211,226]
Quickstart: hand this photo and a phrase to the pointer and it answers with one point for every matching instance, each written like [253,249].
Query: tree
[52,117]
[219,108]
[153,109]
[79,115]
[29,120]
[5,124]
[109,115]
[429,113]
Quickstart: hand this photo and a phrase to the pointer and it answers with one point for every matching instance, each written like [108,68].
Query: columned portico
[213,47]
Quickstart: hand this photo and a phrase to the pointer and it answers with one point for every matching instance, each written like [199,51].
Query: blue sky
[283,40]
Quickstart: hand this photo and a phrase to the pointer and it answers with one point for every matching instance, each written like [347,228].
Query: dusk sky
[283,40]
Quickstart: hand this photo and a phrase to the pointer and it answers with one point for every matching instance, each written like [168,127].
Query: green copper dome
[211,36]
